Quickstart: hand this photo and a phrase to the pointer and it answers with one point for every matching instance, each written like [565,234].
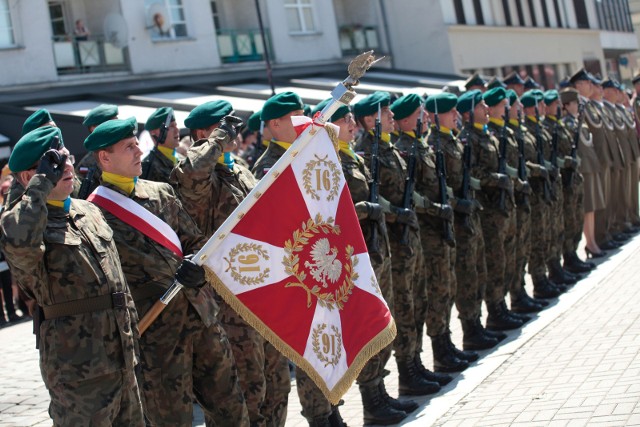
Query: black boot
[319,422]
[442,379]
[377,409]
[411,383]
[474,338]
[498,319]
[517,316]
[444,360]
[469,356]
[407,406]
[573,264]
[335,419]
[544,289]
[557,275]
[500,336]
[522,303]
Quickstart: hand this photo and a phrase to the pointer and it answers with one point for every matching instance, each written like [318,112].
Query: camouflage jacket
[209,190]
[157,167]
[269,158]
[147,263]
[565,139]
[58,257]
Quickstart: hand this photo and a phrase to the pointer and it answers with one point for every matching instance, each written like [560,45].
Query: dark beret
[37,119]
[405,106]
[208,114]
[280,105]
[468,99]
[494,96]
[369,105]
[100,114]
[110,132]
[158,118]
[441,103]
[30,148]
[342,111]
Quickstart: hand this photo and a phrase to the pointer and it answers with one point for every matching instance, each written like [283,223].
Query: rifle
[568,176]
[540,154]
[373,186]
[257,146]
[523,199]
[466,168]
[554,140]
[162,137]
[410,180]
[85,187]
[447,229]
[502,158]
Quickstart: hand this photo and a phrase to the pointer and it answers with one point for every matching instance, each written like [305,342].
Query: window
[300,16]
[215,14]
[459,12]
[478,10]
[7,38]
[507,12]
[174,25]
[58,24]
[581,13]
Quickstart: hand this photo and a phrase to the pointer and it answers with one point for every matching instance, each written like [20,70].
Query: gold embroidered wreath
[315,339]
[235,274]
[307,176]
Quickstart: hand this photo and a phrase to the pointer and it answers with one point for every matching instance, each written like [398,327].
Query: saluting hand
[231,124]
[52,165]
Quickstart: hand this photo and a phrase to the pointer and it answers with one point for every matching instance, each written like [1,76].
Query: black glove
[502,181]
[544,172]
[523,186]
[406,216]
[190,274]
[375,211]
[570,163]
[231,124]
[554,173]
[444,211]
[52,165]
[464,206]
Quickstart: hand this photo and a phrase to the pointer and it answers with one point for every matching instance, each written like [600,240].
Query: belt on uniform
[147,291]
[86,305]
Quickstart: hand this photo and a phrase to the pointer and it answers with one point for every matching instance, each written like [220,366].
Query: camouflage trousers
[555,228]
[494,227]
[314,404]
[470,268]
[523,248]
[539,224]
[263,372]
[573,214]
[440,276]
[511,273]
[182,359]
[104,401]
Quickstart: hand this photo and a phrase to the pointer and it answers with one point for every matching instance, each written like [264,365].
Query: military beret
[550,96]
[280,105]
[495,82]
[513,78]
[441,102]
[34,121]
[110,132]
[342,111]
[636,79]
[474,80]
[405,106]
[158,118]
[253,124]
[307,110]
[208,114]
[568,95]
[32,146]
[611,84]
[469,99]
[531,98]
[100,114]
[529,83]
[581,74]
[494,96]
[513,96]
[369,105]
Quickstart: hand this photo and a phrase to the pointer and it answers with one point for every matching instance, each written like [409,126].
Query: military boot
[407,406]
[558,275]
[444,360]
[319,422]
[377,409]
[517,316]
[500,336]
[335,419]
[474,338]
[469,356]
[522,303]
[411,383]
[442,379]
[544,289]
[573,264]
[499,320]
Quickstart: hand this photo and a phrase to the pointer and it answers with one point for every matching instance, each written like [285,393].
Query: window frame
[300,7]
[170,8]
[11,29]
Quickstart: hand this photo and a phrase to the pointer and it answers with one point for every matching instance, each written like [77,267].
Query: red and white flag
[291,260]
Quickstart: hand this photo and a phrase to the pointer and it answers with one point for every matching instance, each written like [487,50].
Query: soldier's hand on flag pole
[189,274]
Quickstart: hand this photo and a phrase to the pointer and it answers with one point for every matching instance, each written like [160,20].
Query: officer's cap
[158,118]
[494,83]
[405,106]
[529,83]
[611,84]
[550,96]
[531,98]
[110,132]
[636,79]
[579,75]
[441,103]
[564,83]
[474,80]
[469,99]
[280,105]
[32,146]
[569,95]
[513,78]
[494,96]
[37,119]
[369,105]
[208,114]
[100,114]
[342,111]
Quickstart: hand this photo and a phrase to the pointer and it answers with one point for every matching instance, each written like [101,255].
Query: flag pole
[342,94]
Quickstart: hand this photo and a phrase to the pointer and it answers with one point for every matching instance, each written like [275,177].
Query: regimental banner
[293,263]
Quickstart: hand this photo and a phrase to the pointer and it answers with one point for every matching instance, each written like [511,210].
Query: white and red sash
[131,213]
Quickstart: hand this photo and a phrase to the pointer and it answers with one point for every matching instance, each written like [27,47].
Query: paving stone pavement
[576,363]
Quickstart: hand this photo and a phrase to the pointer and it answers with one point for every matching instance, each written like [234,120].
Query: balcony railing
[242,45]
[88,56]
[356,39]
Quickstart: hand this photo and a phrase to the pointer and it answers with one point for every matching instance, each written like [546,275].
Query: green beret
[530,98]
[32,146]
[208,114]
[468,99]
[342,111]
[307,110]
[550,96]
[158,118]
[253,124]
[494,96]
[369,105]
[513,96]
[405,106]
[110,132]
[441,102]
[34,121]
[100,114]
[280,105]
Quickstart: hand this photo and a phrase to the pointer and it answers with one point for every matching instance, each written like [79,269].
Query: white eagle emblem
[325,265]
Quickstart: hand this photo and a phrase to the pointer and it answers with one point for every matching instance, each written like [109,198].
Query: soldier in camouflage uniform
[62,254]
[392,170]
[211,185]
[159,163]
[379,407]
[87,168]
[185,353]
[437,236]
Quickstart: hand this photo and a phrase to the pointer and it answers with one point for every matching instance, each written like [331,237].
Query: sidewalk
[575,363]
